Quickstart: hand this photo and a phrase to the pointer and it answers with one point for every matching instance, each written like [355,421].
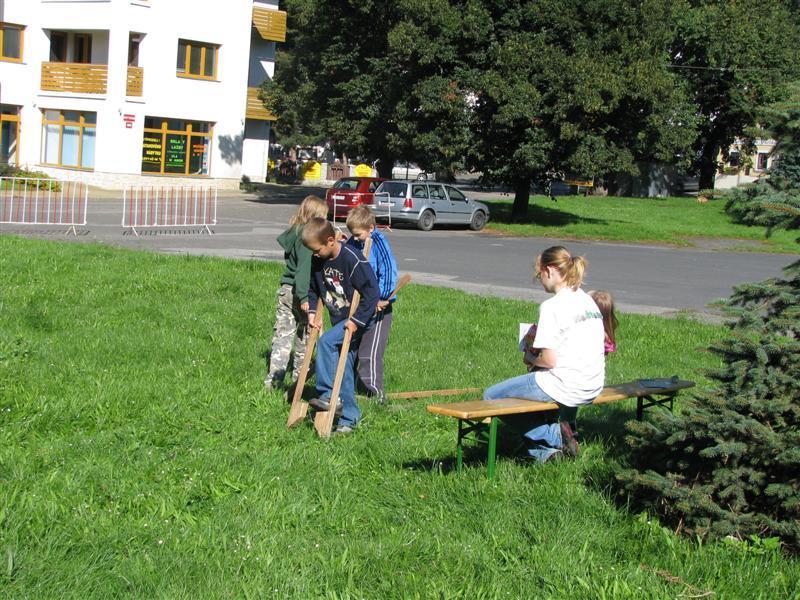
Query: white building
[117,92]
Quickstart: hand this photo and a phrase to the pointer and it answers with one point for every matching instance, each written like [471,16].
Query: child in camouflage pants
[291,314]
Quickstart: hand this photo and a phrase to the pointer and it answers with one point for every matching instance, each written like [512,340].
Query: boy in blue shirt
[337,271]
[361,223]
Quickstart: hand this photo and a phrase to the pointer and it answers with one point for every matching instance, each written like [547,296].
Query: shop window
[197,60]
[68,138]
[175,146]
[9,135]
[11,42]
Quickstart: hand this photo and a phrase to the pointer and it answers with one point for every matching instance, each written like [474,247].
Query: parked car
[406,170]
[427,203]
[349,192]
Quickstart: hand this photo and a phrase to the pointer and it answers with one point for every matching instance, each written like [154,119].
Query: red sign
[129,121]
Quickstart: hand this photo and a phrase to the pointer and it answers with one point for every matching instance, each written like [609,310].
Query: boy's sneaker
[569,444]
[324,404]
[343,429]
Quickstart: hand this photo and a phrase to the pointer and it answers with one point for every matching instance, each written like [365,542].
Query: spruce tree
[729,463]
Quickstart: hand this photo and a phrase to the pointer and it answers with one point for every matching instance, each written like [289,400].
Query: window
[11,42]
[346,184]
[419,191]
[9,135]
[763,161]
[58,46]
[175,146]
[68,138]
[733,159]
[134,39]
[373,185]
[436,192]
[455,195]
[197,60]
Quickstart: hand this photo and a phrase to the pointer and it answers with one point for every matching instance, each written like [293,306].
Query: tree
[579,86]
[736,56]
[380,80]
[729,464]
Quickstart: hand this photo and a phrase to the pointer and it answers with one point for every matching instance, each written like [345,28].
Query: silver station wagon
[427,204]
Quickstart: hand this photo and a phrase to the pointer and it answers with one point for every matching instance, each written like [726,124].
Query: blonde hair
[310,207]
[360,218]
[318,229]
[572,268]
[605,302]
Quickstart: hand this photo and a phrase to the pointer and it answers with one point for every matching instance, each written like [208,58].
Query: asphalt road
[644,279]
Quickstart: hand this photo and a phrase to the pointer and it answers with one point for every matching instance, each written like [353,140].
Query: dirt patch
[706,243]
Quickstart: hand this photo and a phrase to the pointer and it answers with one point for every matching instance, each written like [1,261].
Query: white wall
[118,149]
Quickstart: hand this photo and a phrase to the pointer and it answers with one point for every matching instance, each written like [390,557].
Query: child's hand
[312,324]
[350,326]
[381,305]
[304,307]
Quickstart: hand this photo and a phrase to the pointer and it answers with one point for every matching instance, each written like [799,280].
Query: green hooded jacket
[298,261]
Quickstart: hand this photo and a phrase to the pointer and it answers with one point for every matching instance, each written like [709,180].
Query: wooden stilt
[299,407]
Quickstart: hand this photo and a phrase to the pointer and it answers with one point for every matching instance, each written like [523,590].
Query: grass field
[141,456]
[678,221]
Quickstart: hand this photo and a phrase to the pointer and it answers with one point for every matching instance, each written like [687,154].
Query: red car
[349,192]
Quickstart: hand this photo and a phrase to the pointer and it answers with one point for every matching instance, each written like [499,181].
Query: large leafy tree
[378,79]
[735,55]
[581,86]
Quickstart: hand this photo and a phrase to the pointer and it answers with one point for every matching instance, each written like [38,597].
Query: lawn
[676,221]
[141,456]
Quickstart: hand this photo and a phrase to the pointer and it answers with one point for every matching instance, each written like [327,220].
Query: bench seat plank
[481,409]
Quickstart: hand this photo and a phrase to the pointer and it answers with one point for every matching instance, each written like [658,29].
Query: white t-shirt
[571,324]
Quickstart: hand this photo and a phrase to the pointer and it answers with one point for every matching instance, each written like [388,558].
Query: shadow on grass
[538,215]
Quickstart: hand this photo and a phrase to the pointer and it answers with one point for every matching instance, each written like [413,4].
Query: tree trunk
[708,165]
[385,165]
[522,193]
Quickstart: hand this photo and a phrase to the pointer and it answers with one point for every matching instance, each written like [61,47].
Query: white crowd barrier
[169,206]
[33,201]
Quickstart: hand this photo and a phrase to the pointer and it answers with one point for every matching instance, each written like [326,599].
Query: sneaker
[343,429]
[324,404]
[569,445]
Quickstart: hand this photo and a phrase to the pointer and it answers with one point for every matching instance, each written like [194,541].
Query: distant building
[117,92]
[742,167]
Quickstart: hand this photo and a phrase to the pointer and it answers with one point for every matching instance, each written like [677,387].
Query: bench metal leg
[492,447]
[665,400]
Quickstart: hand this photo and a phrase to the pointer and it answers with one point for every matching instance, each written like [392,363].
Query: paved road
[644,279]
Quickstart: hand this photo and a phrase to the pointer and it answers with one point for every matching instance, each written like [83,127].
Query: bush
[45,182]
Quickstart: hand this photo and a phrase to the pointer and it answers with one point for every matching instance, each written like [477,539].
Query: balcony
[79,78]
[135,81]
[255,107]
[270,24]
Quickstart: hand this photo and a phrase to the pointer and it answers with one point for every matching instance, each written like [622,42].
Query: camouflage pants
[290,331]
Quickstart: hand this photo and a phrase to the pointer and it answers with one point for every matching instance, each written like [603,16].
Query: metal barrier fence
[169,206]
[34,201]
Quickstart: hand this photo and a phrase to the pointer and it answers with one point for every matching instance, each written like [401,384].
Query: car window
[455,195]
[437,192]
[373,185]
[346,184]
[393,188]
[419,190]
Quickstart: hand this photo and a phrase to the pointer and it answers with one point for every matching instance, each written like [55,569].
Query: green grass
[676,221]
[141,456]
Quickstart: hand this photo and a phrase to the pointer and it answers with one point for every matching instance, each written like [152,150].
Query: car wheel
[422,176]
[426,220]
[478,220]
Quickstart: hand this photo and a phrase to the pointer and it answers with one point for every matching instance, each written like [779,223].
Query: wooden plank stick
[431,393]
[401,283]
[299,407]
[323,420]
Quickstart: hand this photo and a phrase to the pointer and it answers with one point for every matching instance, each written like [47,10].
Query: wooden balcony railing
[271,24]
[80,78]
[256,108]
[135,81]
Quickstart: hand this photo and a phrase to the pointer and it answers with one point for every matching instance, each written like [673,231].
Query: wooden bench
[480,416]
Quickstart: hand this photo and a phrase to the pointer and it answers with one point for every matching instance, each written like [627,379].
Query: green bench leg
[492,447]
[459,447]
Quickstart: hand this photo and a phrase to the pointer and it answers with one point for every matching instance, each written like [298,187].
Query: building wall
[118,145]
[741,168]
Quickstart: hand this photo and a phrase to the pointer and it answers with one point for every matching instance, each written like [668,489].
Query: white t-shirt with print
[571,324]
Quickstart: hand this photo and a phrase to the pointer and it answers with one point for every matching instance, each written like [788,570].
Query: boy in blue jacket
[337,271]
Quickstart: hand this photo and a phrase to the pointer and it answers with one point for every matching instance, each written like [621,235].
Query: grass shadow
[538,215]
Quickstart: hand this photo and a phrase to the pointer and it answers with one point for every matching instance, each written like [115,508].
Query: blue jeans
[328,348]
[546,438]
